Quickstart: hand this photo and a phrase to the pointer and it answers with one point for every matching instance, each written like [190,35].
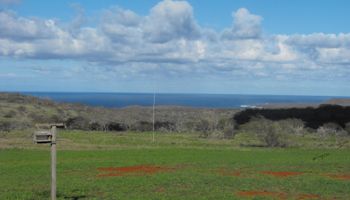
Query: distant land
[339,101]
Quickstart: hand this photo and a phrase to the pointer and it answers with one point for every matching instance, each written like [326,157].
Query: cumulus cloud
[19,28]
[170,40]
[245,25]
[170,20]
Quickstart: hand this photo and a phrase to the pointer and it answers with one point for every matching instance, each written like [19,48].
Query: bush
[274,139]
[330,129]
[114,126]
[347,128]
[292,126]
[190,126]
[164,126]
[79,123]
[5,126]
[55,119]
[38,118]
[8,125]
[229,131]
[21,109]
[203,126]
[269,132]
[10,114]
[227,127]
[95,126]
[142,126]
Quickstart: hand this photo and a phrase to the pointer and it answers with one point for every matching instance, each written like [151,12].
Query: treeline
[312,117]
[204,126]
[274,127]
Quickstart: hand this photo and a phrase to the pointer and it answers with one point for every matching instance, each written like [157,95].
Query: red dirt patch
[281,174]
[160,190]
[132,170]
[254,193]
[339,176]
[308,196]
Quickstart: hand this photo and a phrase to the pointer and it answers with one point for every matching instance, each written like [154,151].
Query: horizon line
[171,93]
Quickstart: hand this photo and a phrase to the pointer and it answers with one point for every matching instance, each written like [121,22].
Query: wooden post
[44,137]
[53,163]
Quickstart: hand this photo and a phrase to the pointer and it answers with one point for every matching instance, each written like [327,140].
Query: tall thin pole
[153,114]
[154,105]
[53,163]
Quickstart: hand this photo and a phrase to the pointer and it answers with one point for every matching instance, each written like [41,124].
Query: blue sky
[243,46]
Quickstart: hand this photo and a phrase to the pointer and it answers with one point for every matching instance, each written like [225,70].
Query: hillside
[19,111]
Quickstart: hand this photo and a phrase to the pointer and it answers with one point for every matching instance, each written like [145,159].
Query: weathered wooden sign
[42,137]
[49,137]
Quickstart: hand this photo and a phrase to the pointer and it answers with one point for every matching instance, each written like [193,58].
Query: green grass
[200,168]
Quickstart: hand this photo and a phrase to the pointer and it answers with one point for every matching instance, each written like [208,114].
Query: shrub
[164,126]
[5,126]
[227,127]
[79,123]
[8,125]
[203,126]
[21,109]
[190,126]
[142,126]
[10,114]
[347,127]
[38,118]
[330,129]
[269,132]
[95,126]
[292,126]
[229,131]
[55,119]
[273,139]
[114,126]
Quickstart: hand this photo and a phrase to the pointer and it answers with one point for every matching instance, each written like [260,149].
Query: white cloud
[170,20]
[245,25]
[20,28]
[169,40]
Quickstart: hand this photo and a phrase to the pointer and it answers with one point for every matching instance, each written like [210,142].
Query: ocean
[119,100]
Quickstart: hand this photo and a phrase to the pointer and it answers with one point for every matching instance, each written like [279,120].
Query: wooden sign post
[53,163]
[45,137]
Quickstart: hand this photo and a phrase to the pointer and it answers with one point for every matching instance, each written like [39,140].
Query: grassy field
[95,165]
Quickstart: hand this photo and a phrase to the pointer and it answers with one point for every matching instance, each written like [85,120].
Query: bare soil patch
[257,193]
[226,172]
[160,190]
[308,196]
[132,170]
[281,174]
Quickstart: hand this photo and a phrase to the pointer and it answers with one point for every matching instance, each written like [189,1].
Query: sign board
[42,137]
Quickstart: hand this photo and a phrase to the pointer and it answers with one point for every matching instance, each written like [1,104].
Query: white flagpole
[154,104]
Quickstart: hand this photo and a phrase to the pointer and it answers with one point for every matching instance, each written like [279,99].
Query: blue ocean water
[119,100]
